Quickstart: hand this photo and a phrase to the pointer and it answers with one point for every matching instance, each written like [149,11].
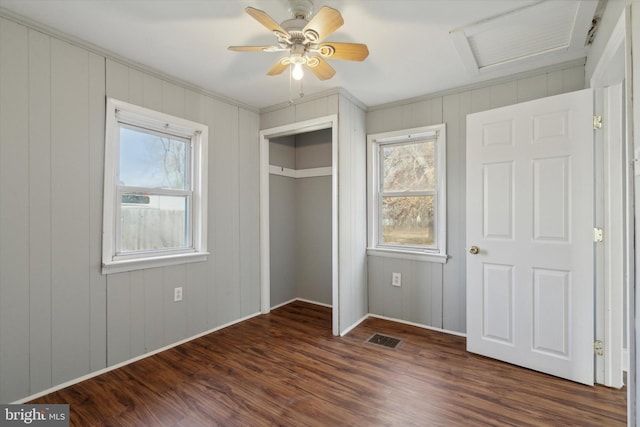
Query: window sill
[408,255]
[160,261]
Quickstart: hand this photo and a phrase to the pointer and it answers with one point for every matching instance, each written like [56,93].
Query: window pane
[408,167]
[153,222]
[408,220]
[153,160]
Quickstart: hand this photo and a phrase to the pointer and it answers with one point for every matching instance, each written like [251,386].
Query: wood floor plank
[285,368]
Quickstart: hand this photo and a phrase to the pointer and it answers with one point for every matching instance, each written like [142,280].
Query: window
[155,204]
[407,199]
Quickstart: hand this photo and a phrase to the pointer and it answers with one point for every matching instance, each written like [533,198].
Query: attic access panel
[530,33]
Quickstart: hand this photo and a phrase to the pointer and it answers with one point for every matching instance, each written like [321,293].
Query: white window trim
[117,111]
[437,254]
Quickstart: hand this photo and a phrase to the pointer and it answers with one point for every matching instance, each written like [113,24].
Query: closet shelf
[300,173]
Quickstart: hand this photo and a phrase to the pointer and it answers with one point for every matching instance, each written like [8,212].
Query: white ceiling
[412,52]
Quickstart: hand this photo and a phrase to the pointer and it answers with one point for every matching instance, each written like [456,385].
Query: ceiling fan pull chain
[290,85]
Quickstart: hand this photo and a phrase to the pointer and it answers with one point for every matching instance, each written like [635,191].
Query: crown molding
[340,91]
[107,54]
[511,77]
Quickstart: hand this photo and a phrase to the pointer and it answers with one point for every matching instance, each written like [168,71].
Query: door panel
[498,303]
[530,212]
[551,311]
[498,201]
[551,199]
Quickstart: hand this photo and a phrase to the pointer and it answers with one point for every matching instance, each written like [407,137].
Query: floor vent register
[384,340]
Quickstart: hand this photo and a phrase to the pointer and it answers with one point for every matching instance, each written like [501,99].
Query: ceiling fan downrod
[301,9]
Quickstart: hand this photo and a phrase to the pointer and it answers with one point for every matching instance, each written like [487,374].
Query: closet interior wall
[300,218]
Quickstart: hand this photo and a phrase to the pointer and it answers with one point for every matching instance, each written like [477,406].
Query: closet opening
[298,215]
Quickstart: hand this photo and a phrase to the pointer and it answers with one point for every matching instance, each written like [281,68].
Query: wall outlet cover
[396,279]
[177,294]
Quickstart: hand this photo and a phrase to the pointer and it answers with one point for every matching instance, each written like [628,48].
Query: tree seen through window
[408,193]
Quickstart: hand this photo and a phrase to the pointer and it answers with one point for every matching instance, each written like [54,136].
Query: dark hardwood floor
[287,369]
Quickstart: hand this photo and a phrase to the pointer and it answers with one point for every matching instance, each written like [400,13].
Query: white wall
[313,239]
[300,220]
[351,262]
[435,294]
[282,222]
[634,384]
[141,313]
[352,204]
[609,19]
[313,227]
[52,296]
[60,318]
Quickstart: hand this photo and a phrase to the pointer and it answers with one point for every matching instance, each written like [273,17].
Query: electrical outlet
[177,294]
[396,279]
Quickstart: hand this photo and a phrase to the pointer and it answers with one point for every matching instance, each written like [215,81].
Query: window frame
[195,136]
[375,142]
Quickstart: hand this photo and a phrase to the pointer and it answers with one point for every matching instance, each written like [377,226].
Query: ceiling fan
[303,39]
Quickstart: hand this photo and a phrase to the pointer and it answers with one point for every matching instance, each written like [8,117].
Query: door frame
[612,69]
[325,122]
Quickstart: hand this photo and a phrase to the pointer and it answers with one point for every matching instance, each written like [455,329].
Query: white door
[530,215]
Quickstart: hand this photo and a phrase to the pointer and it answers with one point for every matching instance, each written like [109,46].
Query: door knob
[474,250]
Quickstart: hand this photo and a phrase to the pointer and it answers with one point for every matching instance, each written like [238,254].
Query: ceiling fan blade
[277,68]
[263,18]
[346,51]
[252,48]
[323,23]
[323,70]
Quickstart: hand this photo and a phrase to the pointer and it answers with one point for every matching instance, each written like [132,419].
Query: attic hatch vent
[527,35]
[384,340]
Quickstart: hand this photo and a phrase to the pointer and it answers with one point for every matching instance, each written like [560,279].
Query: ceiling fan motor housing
[295,29]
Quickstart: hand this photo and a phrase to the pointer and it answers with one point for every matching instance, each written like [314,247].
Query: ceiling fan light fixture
[297,73]
[312,36]
[312,61]
[327,50]
[297,61]
[282,37]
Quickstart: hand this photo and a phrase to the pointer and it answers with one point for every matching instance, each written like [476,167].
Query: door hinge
[597,122]
[598,348]
[598,235]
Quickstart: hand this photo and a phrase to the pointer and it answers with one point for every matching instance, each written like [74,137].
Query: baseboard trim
[170,346]
[302,300]
[129,361]
[314,302]
[350,328]
[283,304]
[419,325]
